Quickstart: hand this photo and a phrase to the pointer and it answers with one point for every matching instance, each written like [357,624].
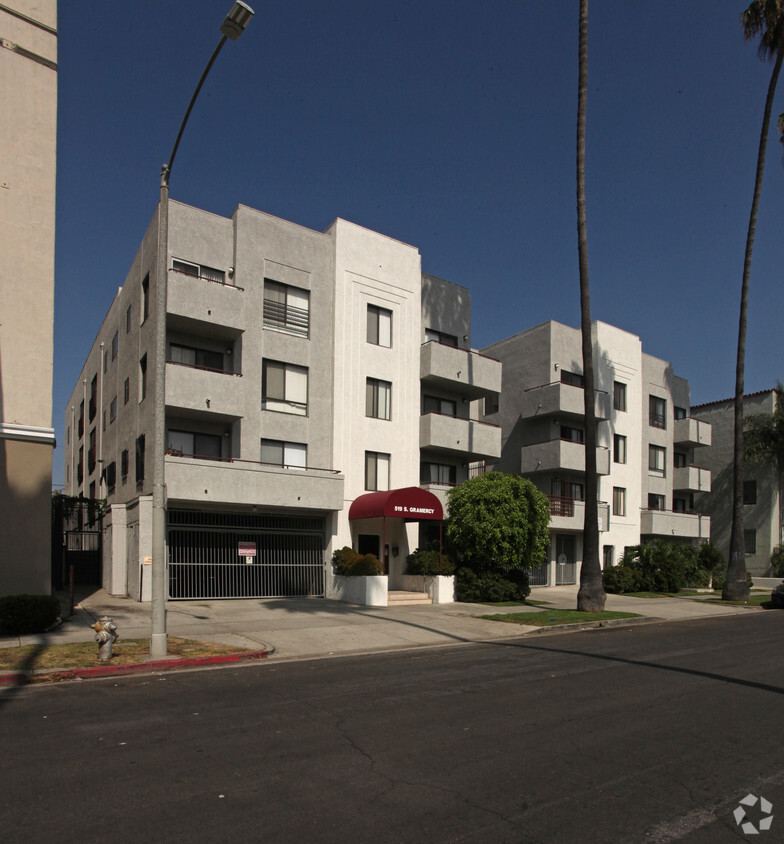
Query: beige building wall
[28,91]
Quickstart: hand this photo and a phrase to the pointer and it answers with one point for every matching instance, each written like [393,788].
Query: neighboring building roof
[723,401]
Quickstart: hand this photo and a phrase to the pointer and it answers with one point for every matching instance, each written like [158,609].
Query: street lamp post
[232,27]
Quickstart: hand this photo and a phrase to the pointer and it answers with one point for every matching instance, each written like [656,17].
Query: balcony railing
[204,368]
[216,280]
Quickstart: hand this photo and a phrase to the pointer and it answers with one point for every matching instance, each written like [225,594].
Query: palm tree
[763,18]
[591,596]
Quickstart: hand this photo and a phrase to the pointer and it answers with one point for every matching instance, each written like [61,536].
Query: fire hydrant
[106,635]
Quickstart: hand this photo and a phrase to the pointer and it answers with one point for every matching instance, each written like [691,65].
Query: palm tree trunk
[591,596]
[736,587]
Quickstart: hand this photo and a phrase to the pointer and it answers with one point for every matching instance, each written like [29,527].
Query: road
[645,733]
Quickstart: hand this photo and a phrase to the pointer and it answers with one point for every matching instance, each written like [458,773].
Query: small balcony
[205,301]
[569,514]
[459,370]
[691,432]
[669,524]
[209,391]
[692,479]
[550,399]
[190,479]
[457,435]
[560,455]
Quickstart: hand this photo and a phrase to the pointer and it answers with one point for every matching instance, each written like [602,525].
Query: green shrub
[28,613]
[348,563]
[777,561]
[664,566]
[719,580]
[429,563]
[619,579]
[472,587]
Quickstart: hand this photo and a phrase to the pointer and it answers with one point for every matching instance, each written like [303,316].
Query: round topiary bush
[20,614]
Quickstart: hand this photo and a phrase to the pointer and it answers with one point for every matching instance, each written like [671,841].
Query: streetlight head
[237,19]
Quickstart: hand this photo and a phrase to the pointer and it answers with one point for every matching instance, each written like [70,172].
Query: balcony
[569,514]
[669,524]
[205,301]
[560,455]
[459,370]
[191,480]
[557,397]
[692,479]
[456,435]
[205,390]
[691,432]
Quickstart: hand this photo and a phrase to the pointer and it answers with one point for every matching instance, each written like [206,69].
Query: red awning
[412,504]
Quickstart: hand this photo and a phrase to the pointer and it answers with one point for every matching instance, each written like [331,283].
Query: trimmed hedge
[21,614]
[348,563]
[428,563]
[490,586]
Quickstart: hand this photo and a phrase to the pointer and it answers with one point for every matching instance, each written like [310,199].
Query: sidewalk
[306,628]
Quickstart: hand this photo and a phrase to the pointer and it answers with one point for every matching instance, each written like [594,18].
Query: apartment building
[318,391]
[645,459]
[763,489]
[28,91]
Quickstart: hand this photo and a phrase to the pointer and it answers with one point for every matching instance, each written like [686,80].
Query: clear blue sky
[450,126]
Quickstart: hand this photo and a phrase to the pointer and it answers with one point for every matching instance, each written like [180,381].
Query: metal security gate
[82,550]
[236,555]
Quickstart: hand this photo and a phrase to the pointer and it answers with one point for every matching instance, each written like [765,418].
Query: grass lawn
[516,603]
[550,618]
[85,654]
[761,599]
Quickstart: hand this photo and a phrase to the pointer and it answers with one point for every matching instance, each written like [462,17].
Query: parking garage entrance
[245,555]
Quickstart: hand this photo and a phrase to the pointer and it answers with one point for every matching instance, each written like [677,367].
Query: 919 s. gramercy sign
[419,511]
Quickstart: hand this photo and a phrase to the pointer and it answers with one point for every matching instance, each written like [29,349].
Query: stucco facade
[298,378]
[762,509]
[28,90]
[645,442]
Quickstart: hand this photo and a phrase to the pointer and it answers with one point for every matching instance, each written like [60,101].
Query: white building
[646,441]
[28,141]
[305,371]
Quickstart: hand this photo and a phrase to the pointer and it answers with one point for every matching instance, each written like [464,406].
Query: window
[105,363]
[575,435]
[657,412]
[126,390]
[574,379]
[80,466]
[68,435]
[568,489]
[81,419]
[433,404]
[440,337]
[619,448]
[378,399]
[681,505]
[113,410]
[192,444]
[679,412]
[608,556]
[284,387]
[619,501]
[749,492]
[619,396]
[679,460]
[111,476]
[128,319]
[91,453]
[92,491]
[199,271]
[437,473]
[115,345]
[202,358]
[140,458]
[286,309]
[656,459]
[376,471]
[104,420]
[145,298]
[655,501]
[379,326]
[93,397]
[142,378]
[491,404]
[750,541]
[287,455]
[124,465]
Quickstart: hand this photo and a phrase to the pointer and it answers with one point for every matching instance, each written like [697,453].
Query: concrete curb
[56,675]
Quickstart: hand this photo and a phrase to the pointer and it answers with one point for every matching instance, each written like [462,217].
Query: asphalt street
[646,733]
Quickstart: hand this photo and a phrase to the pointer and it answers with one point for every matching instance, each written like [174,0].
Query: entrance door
[565,565]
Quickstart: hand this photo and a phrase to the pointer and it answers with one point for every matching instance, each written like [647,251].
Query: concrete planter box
[370,591]
[440,588]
